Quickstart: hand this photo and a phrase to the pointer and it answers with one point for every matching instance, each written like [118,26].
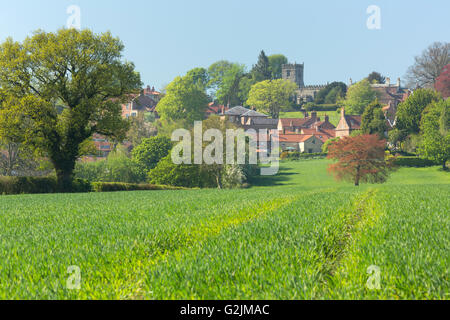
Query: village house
[213,109]
[347,124]
[144,102]
[300,143]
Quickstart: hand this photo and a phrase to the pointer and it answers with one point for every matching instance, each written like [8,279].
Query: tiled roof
[237,111]
[294,138]
[263,121]
[253,113]
[293,122]
[354,122]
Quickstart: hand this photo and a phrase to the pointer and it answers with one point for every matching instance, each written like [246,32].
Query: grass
[297,235]
[334,116]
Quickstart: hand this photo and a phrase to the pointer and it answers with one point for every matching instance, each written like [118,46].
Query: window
[288,73]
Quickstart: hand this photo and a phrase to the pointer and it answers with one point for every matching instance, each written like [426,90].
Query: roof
[385,94]
[237,111]
[253,113]
[354,122]
[293,122]
[264,121]
[294,138]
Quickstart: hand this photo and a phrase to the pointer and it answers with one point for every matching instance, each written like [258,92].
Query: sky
[165,39]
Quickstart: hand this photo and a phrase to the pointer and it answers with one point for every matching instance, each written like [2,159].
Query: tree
[435,128]
[140,128]
[151,151]
[261,70]
[429,65]
[199,77]
[360,159]
[376,77]
[184,100]
[442,84]
[373,120]
[79,70]
[224,80]
[409,112]
[272,96]
[331,93]
[359,96]
[245,86]
[276,62]
[179,175]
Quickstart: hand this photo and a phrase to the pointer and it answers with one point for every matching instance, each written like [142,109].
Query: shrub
[117,186]
[301,156]
[151,151]
[182,175]
[413,162]
[33,185]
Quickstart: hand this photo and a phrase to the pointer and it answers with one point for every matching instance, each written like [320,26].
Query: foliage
[184,100]
[360,159]
[435,129]
[33,185]
[428,66]
[376,77]
[358,97]
[373,120]
[442,84]
[151,151]
[261,70]
[182,175]
[119,186]
[271,96]
[225,81]
[331,94]
[140,128]
[276,62]
[117,167]
[286,155]
[71,84]
[413,162]
[409,112]
[327,144]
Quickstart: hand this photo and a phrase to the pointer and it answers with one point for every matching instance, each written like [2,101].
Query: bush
[182,175]
[117,186]
[116,168]
[413,162]
[33,185]
[151,151]
[301,156]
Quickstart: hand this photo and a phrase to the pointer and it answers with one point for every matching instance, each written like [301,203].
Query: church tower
[293,72]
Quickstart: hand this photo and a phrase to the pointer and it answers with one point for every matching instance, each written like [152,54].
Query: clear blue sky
[168,37]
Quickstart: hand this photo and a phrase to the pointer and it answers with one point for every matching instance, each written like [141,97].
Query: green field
[298,235]
[334,116]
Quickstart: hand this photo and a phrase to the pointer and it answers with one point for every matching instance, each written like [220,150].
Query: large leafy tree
[74,82]
[435,128]
[151,151]
[428,66]
[358,97]
[261,70]
[331,93]
[184,101]
[272,96]
[376,77]
[373,120]
[409,112]
[224,80]
[442,84]
[276,62]
[359,159]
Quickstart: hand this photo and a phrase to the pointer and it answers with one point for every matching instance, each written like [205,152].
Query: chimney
[342,112]
[314,115]
[327,118]
[398,82]
[350,82]
[388,81]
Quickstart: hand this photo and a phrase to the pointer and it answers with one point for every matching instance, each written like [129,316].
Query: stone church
[295,72]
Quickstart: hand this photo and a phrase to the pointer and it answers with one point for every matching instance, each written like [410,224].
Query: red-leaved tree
[359,159]
[443,82]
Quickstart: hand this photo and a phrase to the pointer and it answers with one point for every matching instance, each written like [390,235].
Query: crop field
[297,235]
